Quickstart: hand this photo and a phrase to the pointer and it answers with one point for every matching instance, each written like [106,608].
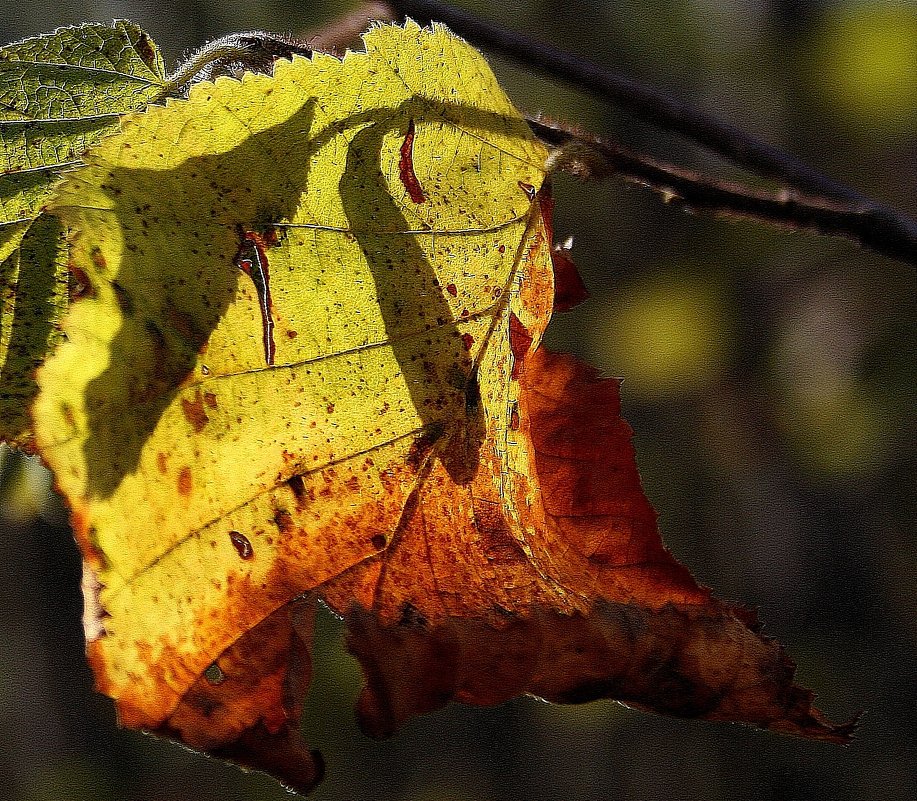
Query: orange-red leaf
[646,633]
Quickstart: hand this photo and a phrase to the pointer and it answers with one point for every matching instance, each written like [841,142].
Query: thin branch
[344,31]
[588,156]
[667,113]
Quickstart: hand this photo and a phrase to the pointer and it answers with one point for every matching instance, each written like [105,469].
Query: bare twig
[344,31]
[874,221]
[590,157]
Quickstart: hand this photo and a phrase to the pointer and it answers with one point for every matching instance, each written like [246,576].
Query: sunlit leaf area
[770,379]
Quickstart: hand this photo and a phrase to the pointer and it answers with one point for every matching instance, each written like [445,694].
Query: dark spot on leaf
[210,399]
[378,541]
[184,481]
[514,418]
[283,520]
[80,286]
[251,259]
[520,340]
[214,675]
[194,412]
[125,304]
[452,290]
[410,617]
[242,545]
[162,463]
[147,53]
[406,167]
[98,260]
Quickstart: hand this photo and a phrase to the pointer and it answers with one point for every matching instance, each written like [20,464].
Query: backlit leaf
[59,95]
[309,367]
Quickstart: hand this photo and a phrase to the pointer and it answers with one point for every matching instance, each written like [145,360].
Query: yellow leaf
[302,285]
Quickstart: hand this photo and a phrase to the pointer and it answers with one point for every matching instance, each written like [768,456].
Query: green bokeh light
[666,334]
[864,63]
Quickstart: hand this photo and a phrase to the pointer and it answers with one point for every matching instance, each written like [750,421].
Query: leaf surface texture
[59,95]
[309,366]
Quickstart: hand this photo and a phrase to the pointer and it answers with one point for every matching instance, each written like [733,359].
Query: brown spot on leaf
[496,540]
[242,545]
[298,488]
[520,340]
[162,463]
[284,521]
[210,399]
[452,289]
[80,286]
[184,481]
[184,324]
[406,167]
[251,259]
[194,412]
[98,260]
[467,341]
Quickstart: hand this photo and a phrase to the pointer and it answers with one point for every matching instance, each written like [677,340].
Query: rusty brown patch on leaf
[520,340]
[406,167]
[185,482]
[194,413]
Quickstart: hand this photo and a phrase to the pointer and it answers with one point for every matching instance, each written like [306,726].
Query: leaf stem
[254,50]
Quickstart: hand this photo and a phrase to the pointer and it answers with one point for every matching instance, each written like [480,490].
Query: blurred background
[770,378]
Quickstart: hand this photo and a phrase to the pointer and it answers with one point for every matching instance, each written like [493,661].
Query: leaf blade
[59,95]
[169,348]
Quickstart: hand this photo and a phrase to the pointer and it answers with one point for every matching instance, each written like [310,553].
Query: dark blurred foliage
[770,378]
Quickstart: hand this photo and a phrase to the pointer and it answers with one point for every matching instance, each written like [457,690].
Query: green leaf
[59,95]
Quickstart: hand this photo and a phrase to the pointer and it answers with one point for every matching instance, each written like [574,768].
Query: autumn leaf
[59,95]
[308,365]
